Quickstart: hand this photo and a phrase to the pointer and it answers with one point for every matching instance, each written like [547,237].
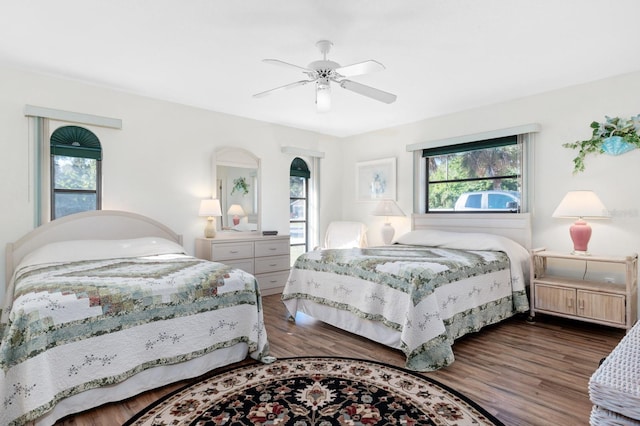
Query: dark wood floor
[522,373]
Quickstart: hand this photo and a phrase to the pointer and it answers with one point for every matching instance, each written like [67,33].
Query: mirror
[237,180]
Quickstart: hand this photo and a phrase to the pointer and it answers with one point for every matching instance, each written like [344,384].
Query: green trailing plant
[615,136]
[240,185]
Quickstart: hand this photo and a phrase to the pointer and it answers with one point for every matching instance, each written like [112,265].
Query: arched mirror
[237,180]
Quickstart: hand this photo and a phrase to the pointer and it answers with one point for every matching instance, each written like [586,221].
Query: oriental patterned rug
[315,391]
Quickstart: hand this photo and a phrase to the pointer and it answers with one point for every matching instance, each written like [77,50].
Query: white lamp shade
[388,208]
[236,210]
[584,204]
[210,208]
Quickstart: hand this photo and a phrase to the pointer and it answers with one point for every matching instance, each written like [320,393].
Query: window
[76,169]
[298,207]
[483,176]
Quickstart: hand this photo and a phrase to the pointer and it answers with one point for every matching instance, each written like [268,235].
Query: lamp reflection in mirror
[210,208]
[581,204]
[237,211]
[387,208]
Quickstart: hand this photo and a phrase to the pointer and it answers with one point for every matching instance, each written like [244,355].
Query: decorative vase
[616,145]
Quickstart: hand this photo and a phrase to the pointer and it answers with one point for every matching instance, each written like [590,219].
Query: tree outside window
[486,175]
[75,171]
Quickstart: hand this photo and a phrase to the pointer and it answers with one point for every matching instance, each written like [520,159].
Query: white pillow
[74,250]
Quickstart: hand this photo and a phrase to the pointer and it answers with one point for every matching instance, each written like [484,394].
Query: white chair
[343,234]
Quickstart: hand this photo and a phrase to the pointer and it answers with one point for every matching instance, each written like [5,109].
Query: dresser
[266,257]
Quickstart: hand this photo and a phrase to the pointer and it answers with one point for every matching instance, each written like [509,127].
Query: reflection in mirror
[238,187]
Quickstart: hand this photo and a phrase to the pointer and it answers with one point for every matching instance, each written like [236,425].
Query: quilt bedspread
[428,295]
[79,325]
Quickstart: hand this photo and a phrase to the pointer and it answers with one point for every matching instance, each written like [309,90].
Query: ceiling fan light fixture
[323,72]
[323,95]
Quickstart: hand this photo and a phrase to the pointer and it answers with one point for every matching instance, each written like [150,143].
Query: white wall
[158,165]
[565,116]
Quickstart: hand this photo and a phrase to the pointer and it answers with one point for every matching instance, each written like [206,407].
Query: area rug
[315,391]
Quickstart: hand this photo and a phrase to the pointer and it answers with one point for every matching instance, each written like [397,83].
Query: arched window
[76,170]
[299,207]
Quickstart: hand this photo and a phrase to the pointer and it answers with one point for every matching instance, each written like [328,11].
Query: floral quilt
[79,325]
[425,297]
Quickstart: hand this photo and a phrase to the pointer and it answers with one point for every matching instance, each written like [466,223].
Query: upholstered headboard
[516,226]
[93,225]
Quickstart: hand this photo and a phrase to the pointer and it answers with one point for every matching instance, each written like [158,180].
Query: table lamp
[210,208]
[387,208]
[237,211]
[581,204]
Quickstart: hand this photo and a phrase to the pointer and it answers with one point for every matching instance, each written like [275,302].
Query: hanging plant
[240,185]
[614,136]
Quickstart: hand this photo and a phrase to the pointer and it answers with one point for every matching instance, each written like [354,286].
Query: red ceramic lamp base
[580,233]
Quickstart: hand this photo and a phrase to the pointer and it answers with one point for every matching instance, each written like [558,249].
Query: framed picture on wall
[376,179]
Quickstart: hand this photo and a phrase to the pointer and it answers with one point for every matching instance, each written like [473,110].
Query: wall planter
[616,145]
[614,136]
[240,185]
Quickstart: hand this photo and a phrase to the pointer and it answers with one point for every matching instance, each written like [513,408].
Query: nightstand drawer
[272,248]
[230,251]
[272,264]
[555,299]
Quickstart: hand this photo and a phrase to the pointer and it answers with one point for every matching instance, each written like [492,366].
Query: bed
[449,276]
[104,305]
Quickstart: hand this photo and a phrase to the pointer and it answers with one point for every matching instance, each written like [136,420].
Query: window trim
[79,142]
[39,119]
[526,136]
[299,168]
[468,147]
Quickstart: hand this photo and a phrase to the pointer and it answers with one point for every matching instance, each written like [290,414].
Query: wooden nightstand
[266,257]
[600,302]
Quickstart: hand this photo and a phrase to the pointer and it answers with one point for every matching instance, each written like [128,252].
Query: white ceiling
[441,56]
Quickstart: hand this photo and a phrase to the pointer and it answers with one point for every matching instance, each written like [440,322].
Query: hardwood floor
[522,373]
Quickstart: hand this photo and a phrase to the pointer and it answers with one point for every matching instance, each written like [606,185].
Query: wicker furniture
[600,302]
[614,388]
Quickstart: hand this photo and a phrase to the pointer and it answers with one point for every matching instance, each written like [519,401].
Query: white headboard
[516,226]
[93,225]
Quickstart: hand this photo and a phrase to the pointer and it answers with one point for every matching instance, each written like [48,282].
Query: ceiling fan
[323,72]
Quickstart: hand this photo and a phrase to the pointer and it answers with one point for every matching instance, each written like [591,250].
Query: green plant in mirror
[240,185]
[613,136]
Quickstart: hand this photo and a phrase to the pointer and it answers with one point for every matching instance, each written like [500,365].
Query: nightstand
[266,257]
[612,304]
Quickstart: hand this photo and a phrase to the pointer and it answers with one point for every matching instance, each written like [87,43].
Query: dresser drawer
[272,248]
[272,264]
[244,264]
[272,283]
[230,251]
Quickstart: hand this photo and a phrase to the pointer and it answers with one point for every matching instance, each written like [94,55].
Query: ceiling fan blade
[369,91]
[286,86]
[287,65]
[360,68]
